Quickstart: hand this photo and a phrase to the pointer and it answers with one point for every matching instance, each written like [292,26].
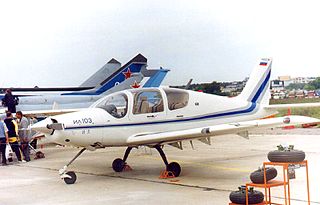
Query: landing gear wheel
[286,156]
[257,176]
[239,197]
[118,165]
[175,168]
[72,179]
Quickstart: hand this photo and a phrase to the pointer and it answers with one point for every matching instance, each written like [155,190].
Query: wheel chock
[166,175]
[127,168]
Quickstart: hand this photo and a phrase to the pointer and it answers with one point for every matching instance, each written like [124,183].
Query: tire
[71,180]
[118,165]
[286,156]
[175,168]
[239,197]
[257,176]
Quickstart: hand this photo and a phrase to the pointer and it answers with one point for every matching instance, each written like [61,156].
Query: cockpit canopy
[144,101]
[115,105]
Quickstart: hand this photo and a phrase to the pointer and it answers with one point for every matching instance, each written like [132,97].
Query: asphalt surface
[209,173]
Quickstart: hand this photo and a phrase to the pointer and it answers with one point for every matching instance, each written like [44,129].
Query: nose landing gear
[70,177]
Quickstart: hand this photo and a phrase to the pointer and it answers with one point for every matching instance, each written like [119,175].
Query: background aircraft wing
[46,113]
[204,133]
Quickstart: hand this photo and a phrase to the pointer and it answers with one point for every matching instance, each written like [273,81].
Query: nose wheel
[70,177]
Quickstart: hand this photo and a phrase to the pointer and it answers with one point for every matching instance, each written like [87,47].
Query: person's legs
[25,150]
[16,149]
[3,150]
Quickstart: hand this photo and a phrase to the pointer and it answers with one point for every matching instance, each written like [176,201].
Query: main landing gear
[70,177]
[174,168]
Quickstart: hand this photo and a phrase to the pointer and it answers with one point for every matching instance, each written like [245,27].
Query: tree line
[313,85]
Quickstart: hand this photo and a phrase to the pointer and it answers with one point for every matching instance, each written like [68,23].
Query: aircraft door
[148,106]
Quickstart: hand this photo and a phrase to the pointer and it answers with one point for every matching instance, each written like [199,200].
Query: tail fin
[106,71]
[133,74]
[257,87]
[134,66]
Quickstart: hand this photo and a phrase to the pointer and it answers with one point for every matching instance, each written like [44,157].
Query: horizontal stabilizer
[156,80]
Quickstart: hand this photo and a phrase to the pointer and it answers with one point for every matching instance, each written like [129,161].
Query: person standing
[12,135]
[23,124]
[3,141]
[9,101]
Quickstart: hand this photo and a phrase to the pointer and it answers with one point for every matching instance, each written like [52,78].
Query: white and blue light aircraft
[110,78]
[165,116]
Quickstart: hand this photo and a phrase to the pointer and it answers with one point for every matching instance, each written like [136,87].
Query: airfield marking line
[206,165]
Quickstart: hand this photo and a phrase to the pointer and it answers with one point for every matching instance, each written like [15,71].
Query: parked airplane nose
[46,126]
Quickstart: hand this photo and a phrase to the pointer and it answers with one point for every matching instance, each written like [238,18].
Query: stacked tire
[286,156]
[257,176]
[239,197]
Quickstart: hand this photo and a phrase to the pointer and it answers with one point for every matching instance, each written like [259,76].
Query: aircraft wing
[286,106]
[216,130]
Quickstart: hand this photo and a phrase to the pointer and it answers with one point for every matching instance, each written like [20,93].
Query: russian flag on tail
[263,63]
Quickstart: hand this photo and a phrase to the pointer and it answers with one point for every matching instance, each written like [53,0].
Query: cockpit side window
[176,98]
[115,105]
[147,102]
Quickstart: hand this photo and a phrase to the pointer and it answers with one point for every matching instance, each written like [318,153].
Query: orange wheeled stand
[275,183]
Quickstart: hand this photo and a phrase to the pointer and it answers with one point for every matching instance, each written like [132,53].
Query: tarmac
[209,173]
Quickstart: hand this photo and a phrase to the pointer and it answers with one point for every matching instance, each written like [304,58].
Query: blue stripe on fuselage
[248,110]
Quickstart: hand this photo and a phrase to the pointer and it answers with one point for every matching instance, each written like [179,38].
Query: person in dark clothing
[9,101]
[12,135]
[3,141]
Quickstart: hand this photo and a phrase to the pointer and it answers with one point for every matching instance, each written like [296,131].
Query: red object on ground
[166,175]
[288,127]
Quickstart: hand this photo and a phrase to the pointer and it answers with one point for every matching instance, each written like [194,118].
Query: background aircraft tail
[132,74]
[257,88]
[106,71]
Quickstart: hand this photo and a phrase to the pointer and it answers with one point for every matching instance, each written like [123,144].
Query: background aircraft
[110,78]
[93,81]
[157,116]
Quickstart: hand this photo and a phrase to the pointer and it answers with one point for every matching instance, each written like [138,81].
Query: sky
[61,43]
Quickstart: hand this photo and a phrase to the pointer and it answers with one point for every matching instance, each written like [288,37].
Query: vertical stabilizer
[106,71]
[257,87]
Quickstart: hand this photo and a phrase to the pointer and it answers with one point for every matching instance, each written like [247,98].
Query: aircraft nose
[45,126]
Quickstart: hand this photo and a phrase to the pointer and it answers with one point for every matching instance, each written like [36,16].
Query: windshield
[115,105]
